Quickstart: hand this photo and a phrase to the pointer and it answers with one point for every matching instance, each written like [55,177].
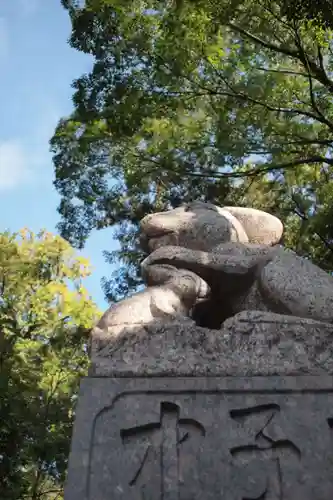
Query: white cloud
[4,38]
[26,159]
[14,167]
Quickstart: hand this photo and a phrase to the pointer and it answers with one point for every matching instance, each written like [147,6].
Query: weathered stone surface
[202,226]
[242,276]
[298,286]
[245,423]
[174,298]
[228,272]
[203,438]
[260,277]
[249,343]
[199,226]
[252,300]
[246,249]
[259,226]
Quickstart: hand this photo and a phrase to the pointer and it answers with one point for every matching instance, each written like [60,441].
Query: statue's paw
[190,282]
[172,255]
[159,274]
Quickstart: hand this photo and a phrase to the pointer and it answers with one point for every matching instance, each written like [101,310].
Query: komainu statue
[223,269]
[214,381]
[235,250]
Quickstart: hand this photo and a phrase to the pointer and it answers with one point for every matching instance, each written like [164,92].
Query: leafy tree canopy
[45,316]
[320,12]
[229,102]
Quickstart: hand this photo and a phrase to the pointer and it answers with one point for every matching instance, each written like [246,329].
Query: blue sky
[37,67]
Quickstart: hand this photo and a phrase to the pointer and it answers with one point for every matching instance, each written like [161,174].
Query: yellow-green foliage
[45,317]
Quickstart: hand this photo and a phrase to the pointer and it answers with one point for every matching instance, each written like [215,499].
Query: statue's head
[202,226]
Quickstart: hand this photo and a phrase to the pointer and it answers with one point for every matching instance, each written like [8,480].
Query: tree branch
[291,111]
[263,43]
[235,94]
[300,213]
[312,96]
[282,71]
[265,169]
[250,173]
[320,75]
[246,98]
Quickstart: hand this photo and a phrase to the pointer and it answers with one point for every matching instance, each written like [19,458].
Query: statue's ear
[261,227]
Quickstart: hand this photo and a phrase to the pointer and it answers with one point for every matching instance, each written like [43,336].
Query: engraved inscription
[166,435]
[209,443]
[256,421]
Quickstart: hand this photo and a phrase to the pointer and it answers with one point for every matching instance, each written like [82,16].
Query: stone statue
[234,250]
[173,295]
[218,269]
[215,381]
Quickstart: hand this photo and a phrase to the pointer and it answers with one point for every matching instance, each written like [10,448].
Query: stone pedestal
[194,438]
[179,412]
